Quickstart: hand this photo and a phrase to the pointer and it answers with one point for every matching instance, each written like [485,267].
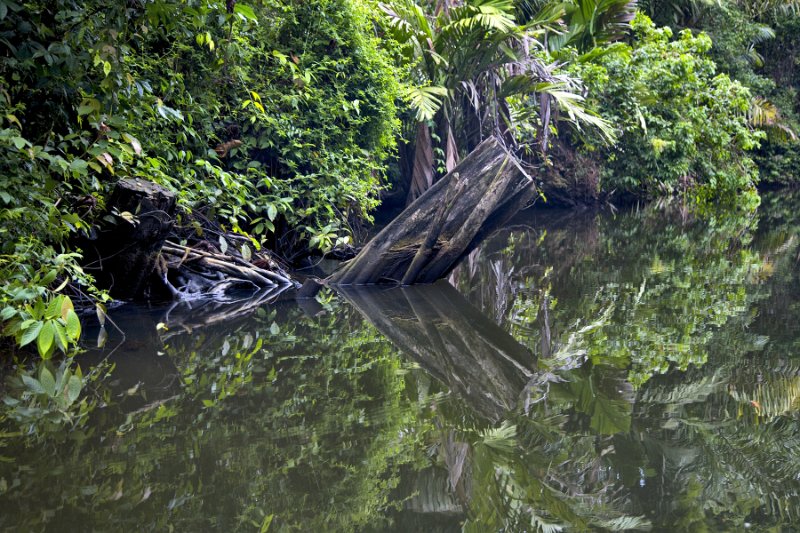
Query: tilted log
[428,239]
[441,331]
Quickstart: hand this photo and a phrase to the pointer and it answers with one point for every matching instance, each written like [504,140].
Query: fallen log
[449,338]
[426,241]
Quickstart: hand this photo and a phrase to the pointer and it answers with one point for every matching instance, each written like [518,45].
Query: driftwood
[453,341]
[428,239]
[190,273]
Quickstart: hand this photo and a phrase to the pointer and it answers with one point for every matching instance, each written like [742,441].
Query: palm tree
[467,57]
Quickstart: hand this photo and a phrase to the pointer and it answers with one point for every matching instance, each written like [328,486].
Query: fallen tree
[453,341]
[423,244]
[450,219]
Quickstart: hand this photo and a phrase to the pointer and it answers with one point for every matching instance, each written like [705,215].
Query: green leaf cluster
[683,127]
[272,119]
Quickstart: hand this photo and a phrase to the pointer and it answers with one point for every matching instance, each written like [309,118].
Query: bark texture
[428,239]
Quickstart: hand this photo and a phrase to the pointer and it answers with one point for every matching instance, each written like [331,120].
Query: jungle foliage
[756,43]
[684,127]
[319,404]
[279,120]
[273,120]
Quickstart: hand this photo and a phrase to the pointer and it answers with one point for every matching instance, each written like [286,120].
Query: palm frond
[487,16]
[426,101]
[502,438]
[765,115]
[572,104]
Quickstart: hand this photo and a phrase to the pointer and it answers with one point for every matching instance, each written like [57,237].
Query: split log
[441,331]
[426,241]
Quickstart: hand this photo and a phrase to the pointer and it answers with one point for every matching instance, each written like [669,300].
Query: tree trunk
[428,239]
[422,174]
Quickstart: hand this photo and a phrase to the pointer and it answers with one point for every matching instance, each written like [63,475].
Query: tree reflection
[604,373]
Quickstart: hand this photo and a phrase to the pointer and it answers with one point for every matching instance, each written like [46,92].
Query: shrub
[682,126]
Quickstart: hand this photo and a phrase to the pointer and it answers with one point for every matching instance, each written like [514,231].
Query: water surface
[635,370]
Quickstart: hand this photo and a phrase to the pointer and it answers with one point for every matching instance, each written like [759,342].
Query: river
[606,370]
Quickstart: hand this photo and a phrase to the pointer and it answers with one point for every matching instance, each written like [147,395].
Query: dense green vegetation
[665,389]
[683,126]
[284,121]
[279,129]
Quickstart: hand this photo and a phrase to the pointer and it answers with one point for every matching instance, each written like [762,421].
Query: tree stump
[124,254]
[451,218]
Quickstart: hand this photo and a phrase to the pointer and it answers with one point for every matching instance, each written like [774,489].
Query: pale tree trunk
[422,175]
[451,150]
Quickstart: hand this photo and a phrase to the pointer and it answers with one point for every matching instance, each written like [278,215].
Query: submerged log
[441,331]
[428,239]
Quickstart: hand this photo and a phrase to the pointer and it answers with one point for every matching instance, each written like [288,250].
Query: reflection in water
[595,371]
[437,328]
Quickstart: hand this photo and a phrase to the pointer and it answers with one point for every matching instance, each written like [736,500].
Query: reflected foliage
[649,382]
[235,436]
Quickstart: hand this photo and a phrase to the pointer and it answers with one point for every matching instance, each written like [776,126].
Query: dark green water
[583,371]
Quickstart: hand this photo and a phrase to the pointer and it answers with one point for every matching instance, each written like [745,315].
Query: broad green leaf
[44,342]
[47,381]
[246,253]
[245,11]
[79,167]
[33,384]
[54,308]
[74,387]
[49,277]
[73,325]
[66,306]
[61,337]
[31,333]
[272,211]
[223,244]
[7,313]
